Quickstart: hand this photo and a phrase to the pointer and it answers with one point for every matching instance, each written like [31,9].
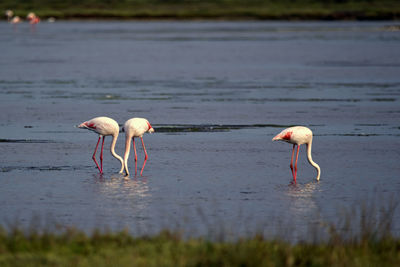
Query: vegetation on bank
[74,248]
[209,9]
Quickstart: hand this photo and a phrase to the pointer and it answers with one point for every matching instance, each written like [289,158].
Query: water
[216,93]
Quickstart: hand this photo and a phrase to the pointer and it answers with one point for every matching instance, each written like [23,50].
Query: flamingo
[9,13]
[135,127]
[298,135]
[15,20]
[33,20]
[31,16]
[103,126]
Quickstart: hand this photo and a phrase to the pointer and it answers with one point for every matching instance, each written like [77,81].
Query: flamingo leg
[145,157]
[94,155]
[295,165]
[101,155]
[134,149]
[291,162]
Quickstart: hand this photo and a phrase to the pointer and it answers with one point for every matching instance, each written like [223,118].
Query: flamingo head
[150,128]
[283,136]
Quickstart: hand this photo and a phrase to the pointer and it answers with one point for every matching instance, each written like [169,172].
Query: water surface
[216,93]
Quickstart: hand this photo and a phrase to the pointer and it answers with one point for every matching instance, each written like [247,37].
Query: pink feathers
[287,136]
[90,125]
[148,124]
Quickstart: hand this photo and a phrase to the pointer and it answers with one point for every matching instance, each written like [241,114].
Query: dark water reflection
[216,93]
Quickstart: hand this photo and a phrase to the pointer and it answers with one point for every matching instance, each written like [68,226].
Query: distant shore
[210,9]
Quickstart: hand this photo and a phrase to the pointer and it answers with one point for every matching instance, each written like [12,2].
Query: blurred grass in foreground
[74,248]
[362,236]
[209,9]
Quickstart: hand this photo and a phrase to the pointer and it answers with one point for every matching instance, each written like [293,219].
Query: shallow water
[216,93]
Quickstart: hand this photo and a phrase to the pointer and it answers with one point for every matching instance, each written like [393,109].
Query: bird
[9,13]
[30,16]
[15,20]
[135,127]
[298,135]
[33,20]
[104,126]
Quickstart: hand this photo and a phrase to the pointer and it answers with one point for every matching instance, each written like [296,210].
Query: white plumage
[104,126]
[135,127]
[298,135]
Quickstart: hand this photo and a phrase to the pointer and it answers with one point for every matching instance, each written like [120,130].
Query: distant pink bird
[135,127]
[298,135]
[33,18]
[15,20]
[104,126]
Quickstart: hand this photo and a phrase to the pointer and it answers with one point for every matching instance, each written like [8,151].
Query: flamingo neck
[310,160]
[127,150]
[115,155]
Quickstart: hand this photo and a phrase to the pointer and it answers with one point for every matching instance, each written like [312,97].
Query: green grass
[208,9]
[73,248]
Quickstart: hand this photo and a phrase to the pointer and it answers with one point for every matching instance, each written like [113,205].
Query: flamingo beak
[277,138]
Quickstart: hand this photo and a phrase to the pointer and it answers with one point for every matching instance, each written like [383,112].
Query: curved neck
[115,155]
[310,160]
[127,150]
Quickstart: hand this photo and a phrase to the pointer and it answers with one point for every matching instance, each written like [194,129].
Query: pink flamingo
[298,135]
[14,21]
[135,127]
[33,20]
[103,126]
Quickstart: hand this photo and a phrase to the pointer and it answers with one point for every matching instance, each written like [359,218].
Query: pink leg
[134,149]
[94,155]
[295,165]
[291,163]
[145,157]
[101,155]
